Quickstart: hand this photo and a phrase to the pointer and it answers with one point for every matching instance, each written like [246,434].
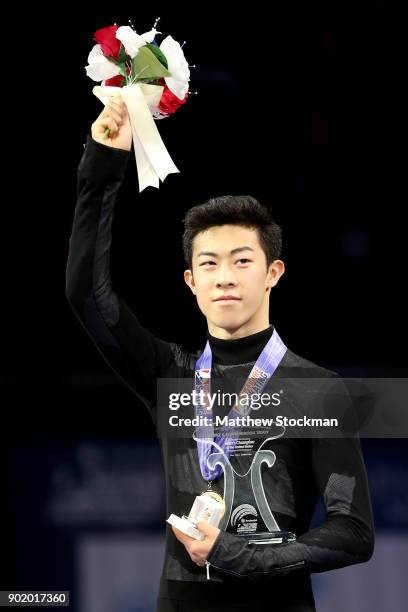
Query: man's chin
[227,325]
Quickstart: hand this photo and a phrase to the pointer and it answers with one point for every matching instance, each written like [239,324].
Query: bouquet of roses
[153,81]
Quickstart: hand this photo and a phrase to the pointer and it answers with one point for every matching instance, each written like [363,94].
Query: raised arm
[134,353]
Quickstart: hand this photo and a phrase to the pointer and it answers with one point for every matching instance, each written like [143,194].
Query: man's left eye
[243,260]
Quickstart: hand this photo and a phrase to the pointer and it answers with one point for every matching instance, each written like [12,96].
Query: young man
[232,248]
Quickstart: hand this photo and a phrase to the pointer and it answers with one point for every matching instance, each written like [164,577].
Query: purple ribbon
[265,366]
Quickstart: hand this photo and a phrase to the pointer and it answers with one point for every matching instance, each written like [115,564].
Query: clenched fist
[114,117]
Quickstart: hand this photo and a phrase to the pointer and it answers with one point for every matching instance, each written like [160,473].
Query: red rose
[115,81]
[106,38]
[169,103]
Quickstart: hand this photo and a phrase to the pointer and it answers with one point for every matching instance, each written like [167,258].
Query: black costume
[305,468]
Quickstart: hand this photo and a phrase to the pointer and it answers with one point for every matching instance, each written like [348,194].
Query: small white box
[205,508]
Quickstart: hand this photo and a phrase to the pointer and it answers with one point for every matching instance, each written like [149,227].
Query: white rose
[132,41]
[99,67]
[149,36]
[177,65]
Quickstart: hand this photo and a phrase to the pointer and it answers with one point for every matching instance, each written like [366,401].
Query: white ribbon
[153,161]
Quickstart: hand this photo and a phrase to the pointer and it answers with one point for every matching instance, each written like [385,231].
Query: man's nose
[225,277]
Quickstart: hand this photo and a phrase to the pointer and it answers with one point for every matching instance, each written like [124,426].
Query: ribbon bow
[153,161]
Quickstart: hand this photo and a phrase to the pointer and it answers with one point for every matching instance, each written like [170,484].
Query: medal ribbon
[265,366]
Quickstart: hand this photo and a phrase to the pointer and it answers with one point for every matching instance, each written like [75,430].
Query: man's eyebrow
[233,252]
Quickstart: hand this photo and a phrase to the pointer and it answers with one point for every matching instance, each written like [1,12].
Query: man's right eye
[207,262]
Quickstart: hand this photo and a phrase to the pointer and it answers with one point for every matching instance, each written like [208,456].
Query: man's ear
[275,271]
[189,280]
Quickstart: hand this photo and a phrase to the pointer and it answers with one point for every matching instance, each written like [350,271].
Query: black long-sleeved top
[305,469]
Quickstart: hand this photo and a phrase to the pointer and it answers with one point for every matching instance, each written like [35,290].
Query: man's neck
[239,350]
[241,332]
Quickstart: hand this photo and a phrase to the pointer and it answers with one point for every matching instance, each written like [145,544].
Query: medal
[218,498]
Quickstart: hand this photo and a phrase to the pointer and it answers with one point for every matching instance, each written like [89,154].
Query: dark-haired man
[232,248]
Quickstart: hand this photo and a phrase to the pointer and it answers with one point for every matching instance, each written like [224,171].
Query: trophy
[208,507]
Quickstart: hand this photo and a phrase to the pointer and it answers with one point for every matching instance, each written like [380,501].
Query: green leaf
[149,81]
[122,69]
[122,55]
[158,53]
[146,66]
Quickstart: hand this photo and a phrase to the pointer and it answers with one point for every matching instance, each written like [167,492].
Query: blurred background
[299,105]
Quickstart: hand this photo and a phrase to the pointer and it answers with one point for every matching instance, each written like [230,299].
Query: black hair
[241,210]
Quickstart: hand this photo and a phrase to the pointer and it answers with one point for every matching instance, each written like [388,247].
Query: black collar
[240,350]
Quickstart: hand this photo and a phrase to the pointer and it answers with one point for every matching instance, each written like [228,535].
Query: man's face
[230,278]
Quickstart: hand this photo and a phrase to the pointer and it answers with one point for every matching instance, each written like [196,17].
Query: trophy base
[269,537]
[186,526]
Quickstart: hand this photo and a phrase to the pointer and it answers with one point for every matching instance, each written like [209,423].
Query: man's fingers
[114,113]
[120,106]
[208,530]
[197,553]
[109,122]
[182,537]
[106,122]
[195,548]
[204,527]
[112,127]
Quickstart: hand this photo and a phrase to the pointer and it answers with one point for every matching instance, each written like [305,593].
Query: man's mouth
[227,298]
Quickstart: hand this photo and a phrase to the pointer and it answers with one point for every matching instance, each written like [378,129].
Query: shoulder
[182,361]
[304,368]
